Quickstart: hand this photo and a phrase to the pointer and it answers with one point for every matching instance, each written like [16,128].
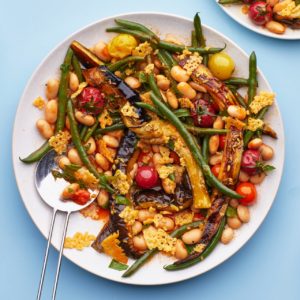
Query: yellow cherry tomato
[221,65]
[121,45]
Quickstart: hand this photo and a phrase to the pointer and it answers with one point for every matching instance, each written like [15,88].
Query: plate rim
[16,159]
[257,29]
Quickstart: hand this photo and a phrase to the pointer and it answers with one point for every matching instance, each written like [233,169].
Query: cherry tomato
[216,170]
[145,158]
[198,216]
[204,113]
[260,13]
[121,45]
[222,141]
[146,177]
[81,197]
[90,100]
[176,159]
[250,160]
[248,191]
[221,65]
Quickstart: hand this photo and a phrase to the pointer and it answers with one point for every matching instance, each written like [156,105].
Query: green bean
[90,131]
[248,134]
[153,86]
[37,154]
[148,107]
[205,151]
[77,68]
[212,245]
[170,58]
[194,42]
[240,99]
[237,81]
[62,91]
[179,48]
[198,31]
[194,148]
[182,113]
[164,60]
[114,127]
[81,150]
[200,37]
[136,26]
[230,1]
[204,131]
[252,77]
[117,65]
[138,34]
[83,131]
[175,234]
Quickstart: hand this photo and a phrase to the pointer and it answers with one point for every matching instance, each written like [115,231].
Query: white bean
[73,82]
[266,151]
[179,74]
[102,161]
[52,88]
[51,111]
[74,157]
[243,176]
[139,242]
[234,223]
[145,214]
[166,224]
[172,99]
[275,27]
[100,49]
[218,123]
[63,161]
[133,82]
[84,119]
[110,141]
[257,178]
[234,203]
[243,213]
[227,235]
[90,145]
[213,144]
[215,159]
[186,90]
[162,82]
[180,252]
[137,227]
[255,143]
[237,112]
[192,236]
[44,128]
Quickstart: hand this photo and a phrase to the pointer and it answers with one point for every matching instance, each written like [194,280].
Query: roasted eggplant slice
[158,198]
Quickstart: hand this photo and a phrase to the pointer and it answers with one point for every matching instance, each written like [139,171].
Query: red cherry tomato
[260,13]
[250,159]
[146,177]
[204,113]
[176,159]
[81,197]
[198,216]
[145,158]
[216,169]
[248,191]
[90,100]
[222,141]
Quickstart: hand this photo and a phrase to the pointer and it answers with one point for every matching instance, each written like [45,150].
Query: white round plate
[235,12]
[24,130]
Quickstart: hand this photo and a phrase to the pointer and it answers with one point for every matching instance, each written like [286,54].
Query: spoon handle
[46,255]
[60,255]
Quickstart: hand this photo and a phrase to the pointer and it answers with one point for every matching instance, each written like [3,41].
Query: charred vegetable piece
[86,57]
[228,175]
[116,91]
[157,197]
[220,93]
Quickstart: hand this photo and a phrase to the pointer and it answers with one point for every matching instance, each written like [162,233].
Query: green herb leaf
[264,168]
[231,212]
[189,248]
[143,77]
[122,200]
[117,265]
[172,177]
[171,144]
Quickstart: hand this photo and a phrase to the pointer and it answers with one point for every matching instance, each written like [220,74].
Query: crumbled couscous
[261,100]
[39,102]
[59,142]
[79,241]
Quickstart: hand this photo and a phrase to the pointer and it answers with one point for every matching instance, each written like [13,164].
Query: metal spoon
[50,190]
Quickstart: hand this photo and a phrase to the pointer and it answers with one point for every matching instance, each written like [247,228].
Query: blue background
[268,267]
